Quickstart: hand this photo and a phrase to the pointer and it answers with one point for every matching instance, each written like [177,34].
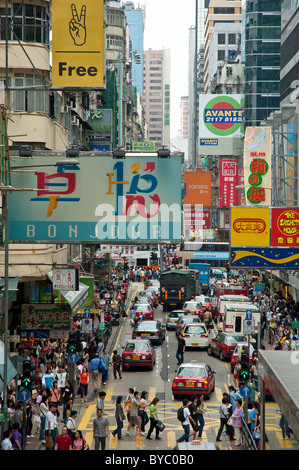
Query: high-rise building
[156,95]
[184,131]
[289,57]
[262,59]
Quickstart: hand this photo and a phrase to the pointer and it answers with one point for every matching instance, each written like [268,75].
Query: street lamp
[5,205]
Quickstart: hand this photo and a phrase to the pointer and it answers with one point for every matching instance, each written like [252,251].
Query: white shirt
[50,419]
[186,414]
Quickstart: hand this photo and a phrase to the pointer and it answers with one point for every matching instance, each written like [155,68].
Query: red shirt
[64,442]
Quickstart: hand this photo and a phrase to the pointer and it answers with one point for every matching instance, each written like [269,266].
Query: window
[221,38]
[221,55]
[35,99]
[30,23]
[114,42]
[231,38]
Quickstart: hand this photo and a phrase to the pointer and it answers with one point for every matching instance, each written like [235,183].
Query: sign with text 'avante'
[100,199]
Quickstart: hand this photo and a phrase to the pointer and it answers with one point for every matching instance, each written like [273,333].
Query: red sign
[285,227]
[228,183]
[196,219]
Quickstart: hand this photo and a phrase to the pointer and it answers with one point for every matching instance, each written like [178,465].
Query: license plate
[194,345]
[190,384]
[136,357]
[145,334]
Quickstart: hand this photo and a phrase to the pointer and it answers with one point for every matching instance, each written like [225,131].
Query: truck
[204,275]
[177,286]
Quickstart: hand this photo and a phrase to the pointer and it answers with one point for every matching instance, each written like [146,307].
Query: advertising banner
[221,116]
[197,187]
[250,226]
[100,135]
[263,258]
[98,200]
[285,227]
[45,316]
[228,183]
[257,166]
[78,44]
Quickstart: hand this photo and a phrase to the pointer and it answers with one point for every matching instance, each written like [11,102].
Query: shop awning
[12,288]
[76,298]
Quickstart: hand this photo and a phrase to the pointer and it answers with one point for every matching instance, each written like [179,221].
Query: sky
[167,24]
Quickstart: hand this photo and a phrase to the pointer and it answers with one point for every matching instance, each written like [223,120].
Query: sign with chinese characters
[250,226]
[196,219]
[98,200]
[100,121]
[285,227]
[263,258]
[228,183]
[65,279]
[45,316]
[257,166]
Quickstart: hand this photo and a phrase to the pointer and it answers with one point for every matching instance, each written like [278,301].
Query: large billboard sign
[197,186]
[228,183]
[78,44]
[264,258]
[257,166]
[250,226]
[285,227]
[100,199]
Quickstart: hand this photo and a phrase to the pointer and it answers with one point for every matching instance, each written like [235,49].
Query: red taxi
[193,378]
[224,344]
[138,353]
[205,301]
[193,307]
[144,310]
[237,353]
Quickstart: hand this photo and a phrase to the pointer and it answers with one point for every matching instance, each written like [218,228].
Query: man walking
[224,416]
[100,430]
[186,422]
[95,374]
[180,349]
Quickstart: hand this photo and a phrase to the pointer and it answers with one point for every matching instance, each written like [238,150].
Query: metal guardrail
[248,442]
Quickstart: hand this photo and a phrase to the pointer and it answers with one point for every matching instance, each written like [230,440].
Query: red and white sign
[196,219]
[228,183]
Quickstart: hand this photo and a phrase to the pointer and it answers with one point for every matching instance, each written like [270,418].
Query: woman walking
[200,415]
[120,417]
[153,419]
[84,380]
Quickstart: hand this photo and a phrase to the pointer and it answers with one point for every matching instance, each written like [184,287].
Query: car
[144,297]
[224,344]
[236,353]
[154,292]
[138,353]
[145,310]
[193,378]
[183,320]
[205,301]
[172,319]
[153,330]
[193,307]
[196,335]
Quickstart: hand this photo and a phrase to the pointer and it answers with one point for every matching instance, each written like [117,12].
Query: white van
[235,314]
[227,299]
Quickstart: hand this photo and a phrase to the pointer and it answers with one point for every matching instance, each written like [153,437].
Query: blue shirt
[94,364]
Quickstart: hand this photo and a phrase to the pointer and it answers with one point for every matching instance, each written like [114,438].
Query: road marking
[284,443]
[171,439]
[113,442]
[151,393]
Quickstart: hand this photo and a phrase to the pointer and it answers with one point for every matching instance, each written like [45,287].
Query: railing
[248,442]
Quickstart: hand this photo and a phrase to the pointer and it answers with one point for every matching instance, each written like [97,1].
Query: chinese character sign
[285,227]
[228,183]
[257,166]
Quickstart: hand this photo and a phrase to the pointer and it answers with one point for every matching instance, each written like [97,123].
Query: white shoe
[127,433]
[143,433]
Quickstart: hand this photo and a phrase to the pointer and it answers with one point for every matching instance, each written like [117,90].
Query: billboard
[285,227]
[263,258]
[197,187]
[257,166]
[228,183]
[250,226]
[100,199]
[78,43]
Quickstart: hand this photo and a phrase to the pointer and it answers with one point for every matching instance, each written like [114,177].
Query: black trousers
[153,425]
[223,423]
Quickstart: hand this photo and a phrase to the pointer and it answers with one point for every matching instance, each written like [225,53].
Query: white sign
[65,279]
[248,327]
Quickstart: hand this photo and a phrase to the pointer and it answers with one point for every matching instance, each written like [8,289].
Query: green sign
[101,326]
[143,146]
[3,416]
[295,324]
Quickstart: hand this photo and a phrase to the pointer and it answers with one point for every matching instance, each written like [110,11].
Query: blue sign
[208,141]
[87,313]
[261,258]
[246,391]
[24,395]
[248,314]
[74,357]
[211,255]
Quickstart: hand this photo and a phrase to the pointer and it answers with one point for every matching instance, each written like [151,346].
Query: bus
[236,313]
[204,275]
[177,286]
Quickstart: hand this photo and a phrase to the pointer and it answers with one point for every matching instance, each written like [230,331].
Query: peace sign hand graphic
[77,26]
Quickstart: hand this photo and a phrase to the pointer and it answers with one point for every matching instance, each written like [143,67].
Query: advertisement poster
[197,188]
[228,183]
[285,227]
[250,226]
[263,258]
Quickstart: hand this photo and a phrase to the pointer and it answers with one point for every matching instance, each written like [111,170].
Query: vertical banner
[78,43]
[257,166]
[228,183]
[197,187]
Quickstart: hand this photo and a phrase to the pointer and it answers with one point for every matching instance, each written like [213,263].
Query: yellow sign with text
[250,226]
[78,44]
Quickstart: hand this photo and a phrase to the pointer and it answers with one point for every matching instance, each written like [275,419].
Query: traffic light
[244,372]
[72,342]
[26,376]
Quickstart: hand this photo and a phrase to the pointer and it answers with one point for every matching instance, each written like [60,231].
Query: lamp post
[5,204]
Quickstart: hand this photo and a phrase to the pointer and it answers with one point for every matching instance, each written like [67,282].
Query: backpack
[180,414]
[101,366]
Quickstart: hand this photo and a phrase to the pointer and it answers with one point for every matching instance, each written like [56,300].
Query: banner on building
[250,226]
[98,200]
[78,49]
[285,227]
[257,166]
[228,183]
[197,187]
[263,258]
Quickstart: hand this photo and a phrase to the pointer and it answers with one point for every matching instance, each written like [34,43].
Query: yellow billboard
[250,226]
[78,43]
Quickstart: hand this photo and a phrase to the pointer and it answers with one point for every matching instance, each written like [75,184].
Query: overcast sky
[167,24]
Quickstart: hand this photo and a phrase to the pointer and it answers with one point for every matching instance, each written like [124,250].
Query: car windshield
[143,306]
[196,371]
[189,319]
[190,305]
[234,339]
[147,326]
[244,347]
[138,346]
[173,315]
[195,330]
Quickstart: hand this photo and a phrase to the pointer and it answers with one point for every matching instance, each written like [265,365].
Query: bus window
[238,325]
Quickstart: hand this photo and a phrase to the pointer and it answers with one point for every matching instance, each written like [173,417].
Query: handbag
[256,435]
[49,442]
[160,425]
